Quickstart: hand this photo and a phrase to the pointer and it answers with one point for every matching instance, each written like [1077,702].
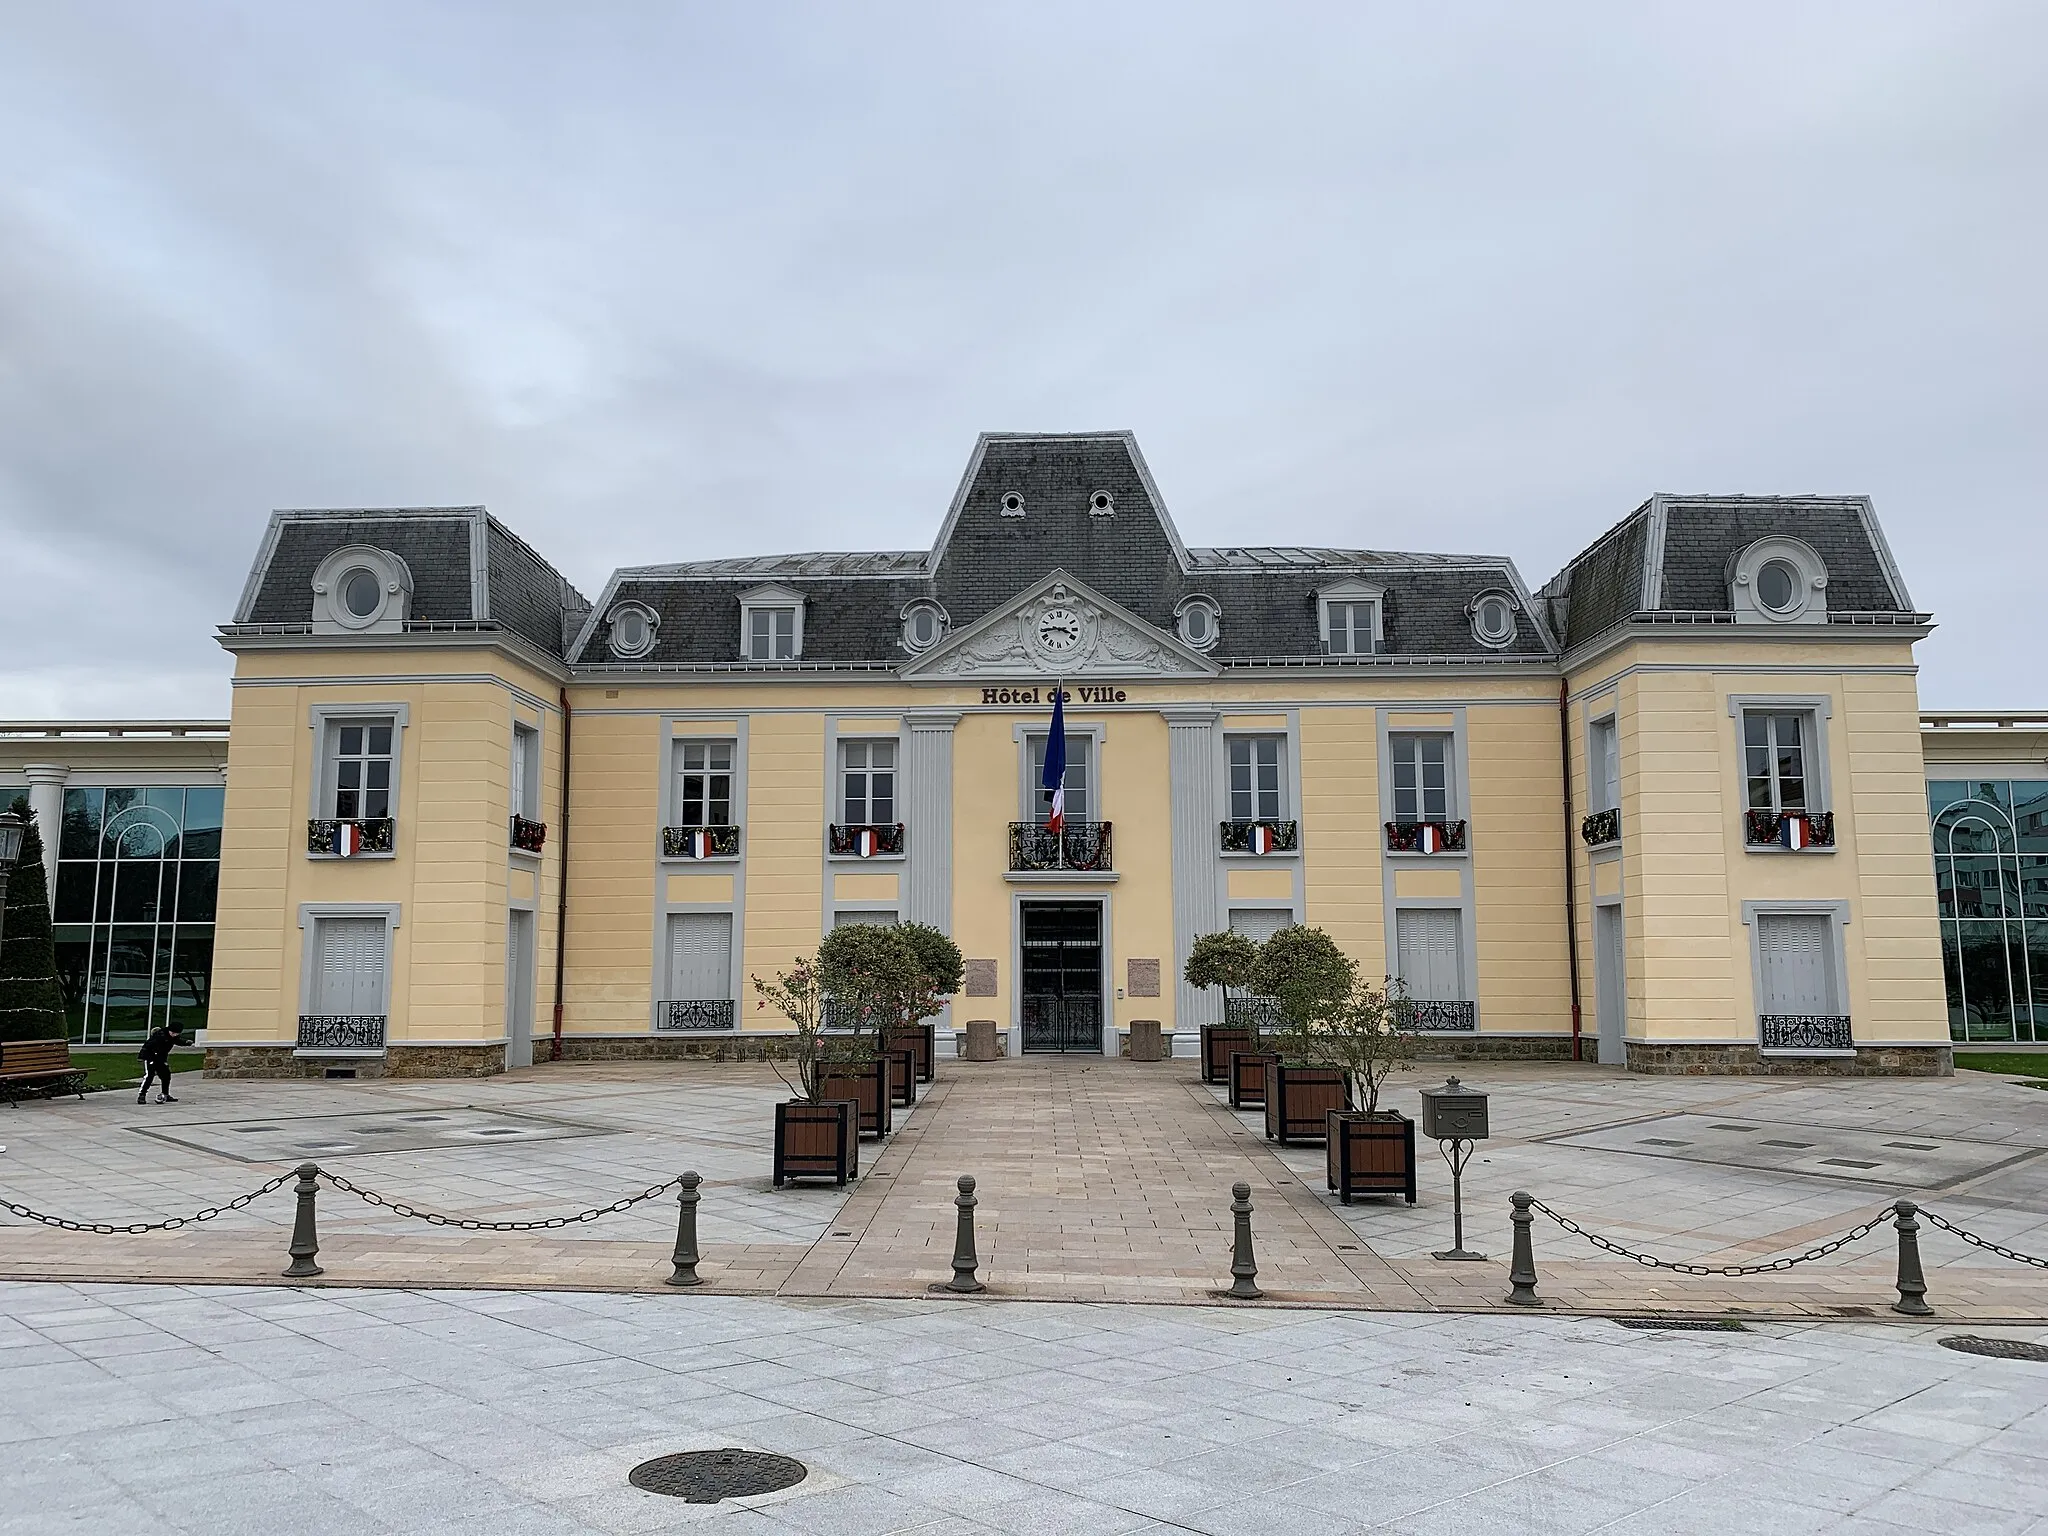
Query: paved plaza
[1098,1180]
[223,1410]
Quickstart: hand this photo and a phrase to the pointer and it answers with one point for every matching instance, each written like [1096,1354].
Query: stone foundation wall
[278,1061]
[1498,1048]
[1749,1061]
[727,1047]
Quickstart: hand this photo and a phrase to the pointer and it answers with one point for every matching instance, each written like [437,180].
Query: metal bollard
[1244,1269]
[1912,1281]
[1522,1267]
[305,1237]
[964,1261]
[686,1254]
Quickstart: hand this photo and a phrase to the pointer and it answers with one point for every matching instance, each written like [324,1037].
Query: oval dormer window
[924,626]
[1777,585]
[1101,504]
[1493,620]
[362,594]
[1198,622]
[632,632]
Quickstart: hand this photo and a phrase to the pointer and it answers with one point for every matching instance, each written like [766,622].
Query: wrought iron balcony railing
[700,842]
[1425,837]
[1427,1015]
[344,839]
[341,1031]
[529,836]
[864,841]
[1796,830]
[1260,836]
[1601,827]
[1805,1032]
[1082,846]
[684,1015]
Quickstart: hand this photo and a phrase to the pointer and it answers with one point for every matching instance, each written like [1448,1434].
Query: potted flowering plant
[816,1137]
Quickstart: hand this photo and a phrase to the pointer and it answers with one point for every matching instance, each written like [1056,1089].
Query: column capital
[1191,716]
[932,719]
[45,773]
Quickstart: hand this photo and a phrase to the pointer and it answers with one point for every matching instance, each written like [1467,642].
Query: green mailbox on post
[1454,1112]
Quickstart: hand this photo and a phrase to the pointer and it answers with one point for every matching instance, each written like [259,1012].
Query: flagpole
[1059,837]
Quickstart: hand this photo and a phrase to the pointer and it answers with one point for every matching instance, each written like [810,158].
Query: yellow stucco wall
[1341,839]
[1516,800]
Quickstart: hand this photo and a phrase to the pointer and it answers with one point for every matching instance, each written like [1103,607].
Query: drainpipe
[1571,894]
[562,883]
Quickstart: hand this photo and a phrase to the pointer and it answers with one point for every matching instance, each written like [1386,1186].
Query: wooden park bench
[38,1062]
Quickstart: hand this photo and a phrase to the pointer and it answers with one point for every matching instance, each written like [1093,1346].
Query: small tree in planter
[815,1137]
[1226,961]
[1365,1036]
[939,969]
[874,977]
[1305,974]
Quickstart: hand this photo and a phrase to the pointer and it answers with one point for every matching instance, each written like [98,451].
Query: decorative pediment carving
[1061,628]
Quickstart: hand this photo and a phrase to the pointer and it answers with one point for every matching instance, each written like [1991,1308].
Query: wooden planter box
[922,1040]
[902,1074]
[1298,1099]
[815,1141]
[868,1086]
[1218,1041]
[1370,1154]
[1248,1078]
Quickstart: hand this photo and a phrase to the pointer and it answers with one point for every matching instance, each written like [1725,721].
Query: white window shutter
[1429,944]
[351,966]
[700,955]
[1795,964]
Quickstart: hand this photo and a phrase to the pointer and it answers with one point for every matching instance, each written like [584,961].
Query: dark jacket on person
[156,1050]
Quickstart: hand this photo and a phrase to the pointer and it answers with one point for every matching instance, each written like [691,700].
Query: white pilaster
[928,893]
[46,798]
[1191,775]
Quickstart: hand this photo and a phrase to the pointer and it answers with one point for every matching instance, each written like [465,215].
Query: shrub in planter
[866,1083]
[816,1135]
[1248,1077]
[1298,1097]
[1224,961]
[1363,1037]
[922,1043]
[902,1073]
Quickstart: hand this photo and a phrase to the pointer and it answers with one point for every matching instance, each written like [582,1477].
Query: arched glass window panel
[1986,981]
[83,809]
[2030,815]
[1973,826]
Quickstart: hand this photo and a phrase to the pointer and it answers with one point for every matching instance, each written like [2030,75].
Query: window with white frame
[1603,765]
[1422,775]
[1080,779]
[703,784]
[1256,777]
[771,634]
[867,783]
[358,770]
[1777,752]
[526,772]
[1349,627]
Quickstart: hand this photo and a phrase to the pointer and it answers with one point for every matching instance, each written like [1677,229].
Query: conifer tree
[31,996]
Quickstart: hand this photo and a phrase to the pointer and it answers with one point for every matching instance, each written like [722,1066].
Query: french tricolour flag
[348,839]
[1794,830]
[1054,779]
[864,842]
[1262,838]
[700,846]
[1431,838]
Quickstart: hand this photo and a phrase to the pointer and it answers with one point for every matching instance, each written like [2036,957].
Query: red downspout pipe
[562,883]
[1571,893]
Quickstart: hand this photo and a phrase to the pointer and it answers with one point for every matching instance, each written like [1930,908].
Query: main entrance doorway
[1062,976]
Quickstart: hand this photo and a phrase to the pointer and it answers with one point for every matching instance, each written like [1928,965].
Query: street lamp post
[12,827]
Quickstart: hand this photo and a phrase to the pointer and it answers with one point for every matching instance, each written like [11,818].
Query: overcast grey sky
[664,281]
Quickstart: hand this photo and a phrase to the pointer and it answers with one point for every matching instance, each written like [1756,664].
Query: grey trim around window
[319,717]
[881,725]
[310,915]
[671,790]
[1837,912]
[1818,708]
[1028,791]
[1459,798]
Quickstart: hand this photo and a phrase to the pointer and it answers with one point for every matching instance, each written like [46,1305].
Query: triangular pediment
[1060,628]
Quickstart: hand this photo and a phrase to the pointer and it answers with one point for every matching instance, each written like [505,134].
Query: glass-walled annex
[1991,879]
[138,874]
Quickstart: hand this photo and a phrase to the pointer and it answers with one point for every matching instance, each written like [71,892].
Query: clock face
[1059,629]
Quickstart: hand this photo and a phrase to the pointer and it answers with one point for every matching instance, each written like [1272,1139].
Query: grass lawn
[2017,1063]
[121,1069]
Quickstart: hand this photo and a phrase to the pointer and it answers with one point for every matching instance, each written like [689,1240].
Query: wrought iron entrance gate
[1062,976]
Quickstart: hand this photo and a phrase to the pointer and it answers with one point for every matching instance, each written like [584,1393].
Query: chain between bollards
[1244,1269]
[305,1247]
[1912,1281]
[686,1255]
[1522,1267]
[964,1260]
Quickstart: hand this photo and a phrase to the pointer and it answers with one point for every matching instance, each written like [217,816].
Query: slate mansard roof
[467,569]
[984,557]
[1671,560]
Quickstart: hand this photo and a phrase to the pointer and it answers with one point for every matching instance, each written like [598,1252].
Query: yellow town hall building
[1669,810]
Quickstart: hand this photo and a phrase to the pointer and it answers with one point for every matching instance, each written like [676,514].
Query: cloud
[660,282]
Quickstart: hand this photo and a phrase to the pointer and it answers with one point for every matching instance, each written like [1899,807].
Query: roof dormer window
[771,624]
[360,589]
[1779,580]
[1349,618]
[1493,620]
[632,628]
[924,626]
[1012,504]
[1198,622]
[1102,504]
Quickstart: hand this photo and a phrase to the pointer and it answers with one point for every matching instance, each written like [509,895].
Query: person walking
[156,1061]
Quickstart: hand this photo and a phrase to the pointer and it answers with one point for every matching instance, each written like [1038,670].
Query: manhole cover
[1683,1324]
[1997,1349]
[705,1477]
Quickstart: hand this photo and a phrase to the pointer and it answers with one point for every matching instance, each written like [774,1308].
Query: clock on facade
[1059,629]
